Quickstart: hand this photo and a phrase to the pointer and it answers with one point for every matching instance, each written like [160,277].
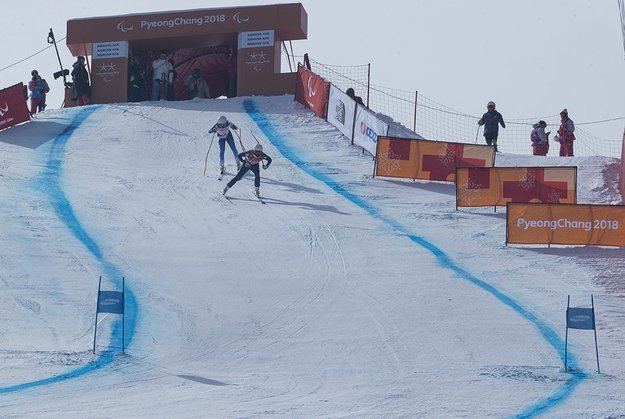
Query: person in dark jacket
[250,160]
[38,88]
[80,79]
[137,79]
[350,92]
[491,121]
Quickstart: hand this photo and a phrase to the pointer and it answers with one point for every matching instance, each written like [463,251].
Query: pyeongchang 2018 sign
[180,21]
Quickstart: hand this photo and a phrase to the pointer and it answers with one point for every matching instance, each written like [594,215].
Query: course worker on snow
[251,160]
[491,121]
[224,135]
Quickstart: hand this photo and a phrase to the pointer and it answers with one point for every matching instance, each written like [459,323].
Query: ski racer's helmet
[491,104]
[258,147]
[223,121]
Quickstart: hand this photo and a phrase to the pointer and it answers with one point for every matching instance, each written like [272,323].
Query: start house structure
[238,49]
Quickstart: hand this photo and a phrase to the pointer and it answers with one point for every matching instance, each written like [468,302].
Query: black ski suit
[250,160]
[491,121]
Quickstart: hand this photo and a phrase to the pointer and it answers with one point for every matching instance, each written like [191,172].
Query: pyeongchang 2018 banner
[566,224]
[312,91]
[341,111]
[428,160]
[496,186]
[13,108]
[368,128]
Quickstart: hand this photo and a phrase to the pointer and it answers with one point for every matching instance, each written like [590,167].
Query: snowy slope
[343,296]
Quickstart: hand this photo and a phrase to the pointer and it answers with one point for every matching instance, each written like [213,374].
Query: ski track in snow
[561,393]
[49,182]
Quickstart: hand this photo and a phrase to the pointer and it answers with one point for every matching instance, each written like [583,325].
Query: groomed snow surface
[344,295]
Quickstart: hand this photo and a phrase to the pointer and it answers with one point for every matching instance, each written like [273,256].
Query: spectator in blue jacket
[38,88]
[491,121]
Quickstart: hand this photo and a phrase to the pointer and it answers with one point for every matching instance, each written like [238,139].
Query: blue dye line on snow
[562,392]
[50,183]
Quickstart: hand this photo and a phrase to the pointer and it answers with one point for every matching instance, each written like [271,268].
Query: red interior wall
[216,64]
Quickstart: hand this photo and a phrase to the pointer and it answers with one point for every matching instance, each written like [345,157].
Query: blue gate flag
[580,318]
[111,302]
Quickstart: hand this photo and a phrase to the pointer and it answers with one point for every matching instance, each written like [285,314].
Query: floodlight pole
[52,40]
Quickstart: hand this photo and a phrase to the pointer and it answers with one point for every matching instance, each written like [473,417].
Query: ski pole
[209,150]
[257,142]
[240,141]
[477,133]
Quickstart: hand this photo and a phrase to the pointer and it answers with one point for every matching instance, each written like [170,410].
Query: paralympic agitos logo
[122,26]
[4,110]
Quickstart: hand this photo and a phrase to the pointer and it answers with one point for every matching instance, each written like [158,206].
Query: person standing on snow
[491,121]
[251,160]
[38,88]
[80,82]
[224,135]
[540,139]
[566,134]
[161,75]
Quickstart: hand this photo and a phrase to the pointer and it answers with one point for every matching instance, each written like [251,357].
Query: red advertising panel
[312,91]
[13,108]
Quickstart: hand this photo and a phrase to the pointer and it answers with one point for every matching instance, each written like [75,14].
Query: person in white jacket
[222,129]
[162,69]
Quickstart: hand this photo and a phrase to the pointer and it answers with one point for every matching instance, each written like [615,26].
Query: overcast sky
[532,57]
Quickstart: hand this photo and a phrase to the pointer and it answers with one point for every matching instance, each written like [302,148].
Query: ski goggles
[222,125]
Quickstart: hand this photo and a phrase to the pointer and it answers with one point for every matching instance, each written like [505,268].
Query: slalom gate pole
[95,327]
[566,334]
[123,314]
[477,133]
[209,150]
[594,320]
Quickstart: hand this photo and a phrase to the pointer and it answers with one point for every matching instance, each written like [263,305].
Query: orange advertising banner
[496,186]
[428,160]
[566,224]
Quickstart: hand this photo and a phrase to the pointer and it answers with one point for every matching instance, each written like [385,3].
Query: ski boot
[224,190]
[257,192]
[238,165]
[222,169]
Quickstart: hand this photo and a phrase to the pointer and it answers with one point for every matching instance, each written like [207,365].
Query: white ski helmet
[258,147]
[222,120]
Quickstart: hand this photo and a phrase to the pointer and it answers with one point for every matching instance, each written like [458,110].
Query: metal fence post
[368,82]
